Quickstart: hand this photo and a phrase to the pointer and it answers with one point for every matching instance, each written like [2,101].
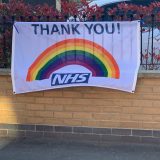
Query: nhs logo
[69,78]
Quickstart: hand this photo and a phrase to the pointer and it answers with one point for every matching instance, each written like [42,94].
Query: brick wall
[83,106]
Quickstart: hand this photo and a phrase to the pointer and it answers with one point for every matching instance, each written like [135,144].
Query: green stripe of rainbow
[51,59]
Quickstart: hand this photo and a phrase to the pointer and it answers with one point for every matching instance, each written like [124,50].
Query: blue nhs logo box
[69,78]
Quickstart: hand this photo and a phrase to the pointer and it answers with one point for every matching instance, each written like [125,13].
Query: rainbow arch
[74,51]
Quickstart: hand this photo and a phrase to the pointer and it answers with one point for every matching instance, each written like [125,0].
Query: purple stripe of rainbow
[73,57]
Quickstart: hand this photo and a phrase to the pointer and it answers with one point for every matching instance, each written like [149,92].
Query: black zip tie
[15,28]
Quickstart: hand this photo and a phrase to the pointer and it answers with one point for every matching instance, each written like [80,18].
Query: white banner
[50,55]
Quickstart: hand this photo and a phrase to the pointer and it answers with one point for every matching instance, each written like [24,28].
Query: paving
[49,149]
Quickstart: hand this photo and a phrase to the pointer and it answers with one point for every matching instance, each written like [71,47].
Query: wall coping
[149,74]
[141,74]
[5,72]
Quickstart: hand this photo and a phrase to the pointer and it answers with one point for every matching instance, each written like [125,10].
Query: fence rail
[150,36]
